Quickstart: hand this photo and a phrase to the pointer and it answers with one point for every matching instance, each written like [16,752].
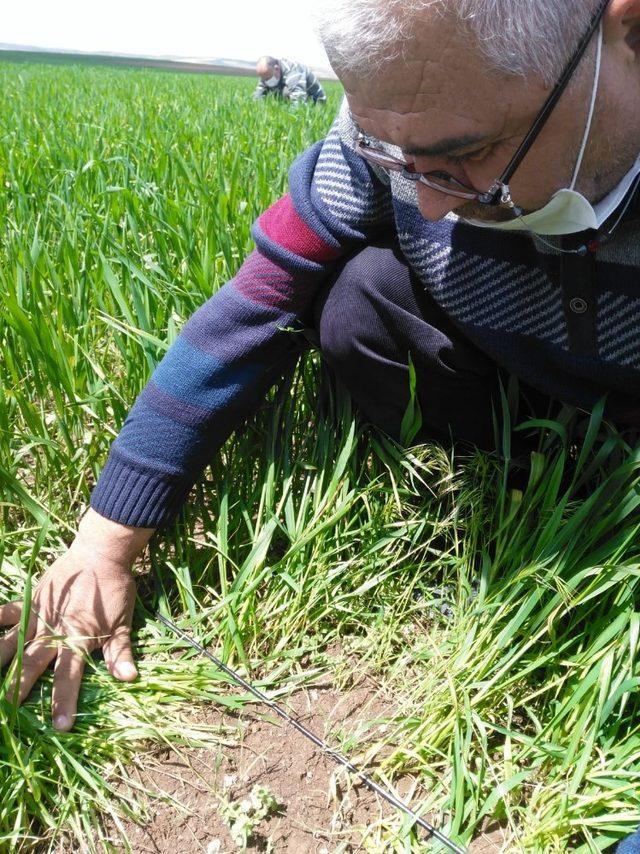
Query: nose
[434,205]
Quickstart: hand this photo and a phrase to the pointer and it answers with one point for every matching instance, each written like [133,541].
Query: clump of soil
[321,810]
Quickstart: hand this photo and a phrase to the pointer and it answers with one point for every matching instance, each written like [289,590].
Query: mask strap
[592,108]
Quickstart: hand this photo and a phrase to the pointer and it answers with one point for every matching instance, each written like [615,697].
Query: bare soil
[321,809]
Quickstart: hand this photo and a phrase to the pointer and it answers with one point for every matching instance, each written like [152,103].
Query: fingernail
[62,722]
[125,670]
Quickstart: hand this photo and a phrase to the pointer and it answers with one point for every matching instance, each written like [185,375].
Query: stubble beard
[484,213]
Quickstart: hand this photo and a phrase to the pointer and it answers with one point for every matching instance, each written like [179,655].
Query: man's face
[268,73]
[448,111]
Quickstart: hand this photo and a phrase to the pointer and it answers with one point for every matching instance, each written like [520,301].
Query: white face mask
[272,82]
[569,212]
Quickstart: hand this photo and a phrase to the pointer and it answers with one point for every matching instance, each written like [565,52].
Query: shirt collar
[613,200]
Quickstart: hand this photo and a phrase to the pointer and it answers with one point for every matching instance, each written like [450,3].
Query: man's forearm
[211,380]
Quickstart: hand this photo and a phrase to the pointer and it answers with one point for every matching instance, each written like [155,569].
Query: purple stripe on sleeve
[175,408]
[262,281]
[230,326]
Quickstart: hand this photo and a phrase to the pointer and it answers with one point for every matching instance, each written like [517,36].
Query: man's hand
[84,601]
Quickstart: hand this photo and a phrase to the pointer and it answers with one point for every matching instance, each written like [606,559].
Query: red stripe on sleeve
[282,224]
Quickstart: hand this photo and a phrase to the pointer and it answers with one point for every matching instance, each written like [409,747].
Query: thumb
[118,656]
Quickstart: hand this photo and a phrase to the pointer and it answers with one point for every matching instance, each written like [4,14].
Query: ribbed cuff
[132,495]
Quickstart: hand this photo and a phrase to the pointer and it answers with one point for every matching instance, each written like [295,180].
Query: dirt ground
[320,810]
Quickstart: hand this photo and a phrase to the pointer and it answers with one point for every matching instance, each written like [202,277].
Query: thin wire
[333,754]
[630,198]
[592,109]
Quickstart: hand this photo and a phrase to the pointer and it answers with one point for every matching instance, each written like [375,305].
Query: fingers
[10,613]
[9,645]
[69,670]
[9,641]
[118,656]
[37,656]
[9,616]
[66,687]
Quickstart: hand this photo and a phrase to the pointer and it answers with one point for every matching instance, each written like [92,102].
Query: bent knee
[348,309]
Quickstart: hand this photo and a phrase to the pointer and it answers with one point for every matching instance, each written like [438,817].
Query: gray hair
[267,61]
[521,37]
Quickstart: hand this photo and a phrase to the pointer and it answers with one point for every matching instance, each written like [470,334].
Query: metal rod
[337,757]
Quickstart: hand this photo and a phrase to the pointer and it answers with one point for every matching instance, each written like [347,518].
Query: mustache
[486,213]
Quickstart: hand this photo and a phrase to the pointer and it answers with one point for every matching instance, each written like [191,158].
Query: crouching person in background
[282,78]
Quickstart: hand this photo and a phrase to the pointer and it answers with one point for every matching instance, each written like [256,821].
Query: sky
[235,29]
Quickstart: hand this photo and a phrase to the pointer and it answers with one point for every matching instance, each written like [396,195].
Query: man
[285,79]
[383,260]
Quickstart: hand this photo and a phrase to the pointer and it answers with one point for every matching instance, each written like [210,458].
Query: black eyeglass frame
[499,193]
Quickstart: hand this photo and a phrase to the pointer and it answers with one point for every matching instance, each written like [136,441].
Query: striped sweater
[565,324]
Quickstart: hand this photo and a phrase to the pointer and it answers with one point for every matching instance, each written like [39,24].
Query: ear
[622,26]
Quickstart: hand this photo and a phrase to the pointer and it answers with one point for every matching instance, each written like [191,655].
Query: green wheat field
[497,605]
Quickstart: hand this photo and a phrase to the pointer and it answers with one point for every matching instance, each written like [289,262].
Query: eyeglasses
[499,193]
